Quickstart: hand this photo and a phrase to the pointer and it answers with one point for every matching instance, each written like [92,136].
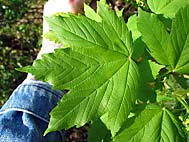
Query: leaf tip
[46,132]
[23,69]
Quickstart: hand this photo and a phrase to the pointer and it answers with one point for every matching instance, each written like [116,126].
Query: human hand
[55,6]
[52,7]
[77,5]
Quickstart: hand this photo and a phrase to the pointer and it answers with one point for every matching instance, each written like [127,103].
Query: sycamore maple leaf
[96,68]
[169,49]
[153,124]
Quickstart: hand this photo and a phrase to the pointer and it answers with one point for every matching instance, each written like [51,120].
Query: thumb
[77,5]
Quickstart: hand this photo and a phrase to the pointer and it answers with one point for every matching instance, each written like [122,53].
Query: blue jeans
[25,116]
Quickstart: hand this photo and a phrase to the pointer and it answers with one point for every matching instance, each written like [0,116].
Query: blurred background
[20,40]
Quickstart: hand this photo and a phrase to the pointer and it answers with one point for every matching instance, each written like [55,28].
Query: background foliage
[20,39]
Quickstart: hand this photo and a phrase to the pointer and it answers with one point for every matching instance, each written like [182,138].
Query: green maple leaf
[153,124]
[167,7]
[155,68]
[179,37]
[148,71]
[90,13]
[155,36]
[138,45]
[101,132]
[97,69]
[168,49]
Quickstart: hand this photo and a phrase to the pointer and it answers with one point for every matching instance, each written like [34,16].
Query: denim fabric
[25,116]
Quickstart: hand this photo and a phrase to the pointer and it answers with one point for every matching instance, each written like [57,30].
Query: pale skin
[74,6]
[77,5]
[55,6]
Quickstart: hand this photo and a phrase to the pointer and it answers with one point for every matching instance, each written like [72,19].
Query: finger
[77,5]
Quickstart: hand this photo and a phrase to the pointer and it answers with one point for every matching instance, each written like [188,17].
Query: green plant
[130,80]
